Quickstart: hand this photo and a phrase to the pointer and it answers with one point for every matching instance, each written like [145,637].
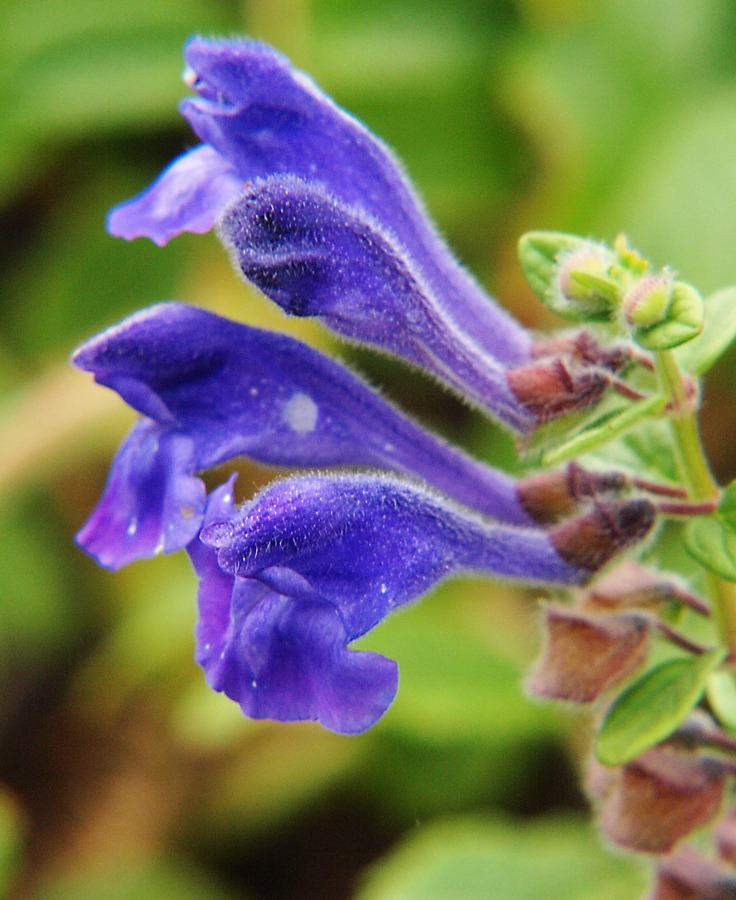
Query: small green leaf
[570,275]
[613,427]
[606,288]
[467,858]
[727,506]
[539,252]
[722,697]
[681,322]
[719,331]
[651,709]
[712,543]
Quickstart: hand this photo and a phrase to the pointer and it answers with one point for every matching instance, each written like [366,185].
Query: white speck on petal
[132,527]
[300,413]
[384,588]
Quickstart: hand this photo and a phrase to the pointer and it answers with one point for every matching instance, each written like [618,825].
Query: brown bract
[660,797]
[589,541]
[584,653]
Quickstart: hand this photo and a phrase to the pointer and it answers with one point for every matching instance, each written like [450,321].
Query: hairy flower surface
[211,390]
[318,214]
[311,564]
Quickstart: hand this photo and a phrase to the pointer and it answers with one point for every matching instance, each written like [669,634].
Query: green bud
[648,301]
[573,277]
[663,314]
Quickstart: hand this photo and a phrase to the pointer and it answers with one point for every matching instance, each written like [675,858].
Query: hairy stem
[698,479]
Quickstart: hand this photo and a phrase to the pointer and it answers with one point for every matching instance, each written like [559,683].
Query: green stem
[693,467]
[698,479]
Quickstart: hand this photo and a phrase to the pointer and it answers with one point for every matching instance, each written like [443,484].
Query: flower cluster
[317,213]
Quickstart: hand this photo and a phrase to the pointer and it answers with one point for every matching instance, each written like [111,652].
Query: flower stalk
[697,477]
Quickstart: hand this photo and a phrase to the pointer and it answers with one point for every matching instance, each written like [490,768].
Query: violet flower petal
[150,503]
[260,117]
[371,543]
[280,658]
[316,256]
[267,117]
[187,196]
[211,390]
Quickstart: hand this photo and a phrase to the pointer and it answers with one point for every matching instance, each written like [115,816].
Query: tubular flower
[211,390]
[312,563]
[319,215]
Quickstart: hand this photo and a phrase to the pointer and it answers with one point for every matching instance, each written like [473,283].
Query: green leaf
[613,427]
[651,709]
[727,506]
[682,322]
[722,697]
[539,252]
[712,543]
[469,858]
[719,332]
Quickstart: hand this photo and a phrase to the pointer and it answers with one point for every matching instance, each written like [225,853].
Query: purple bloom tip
[211,390]
[260,119]
[281,657]
[311,564]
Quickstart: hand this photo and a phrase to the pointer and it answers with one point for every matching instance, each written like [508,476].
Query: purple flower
[318,214]
[313,563]
[211,390]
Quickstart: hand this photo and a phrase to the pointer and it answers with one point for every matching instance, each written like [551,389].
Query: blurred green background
[121,775]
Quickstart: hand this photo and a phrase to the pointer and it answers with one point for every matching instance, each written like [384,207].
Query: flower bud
[647,302]
[584,286]
[571,276]
[584,654]
[663,313]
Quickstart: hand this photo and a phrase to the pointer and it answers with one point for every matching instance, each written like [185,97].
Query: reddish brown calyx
[589,541]
[688,875]
[584,349]
[551,496]
[552,388]
[657,799]
[584,654]
[630,585]
[725,837]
